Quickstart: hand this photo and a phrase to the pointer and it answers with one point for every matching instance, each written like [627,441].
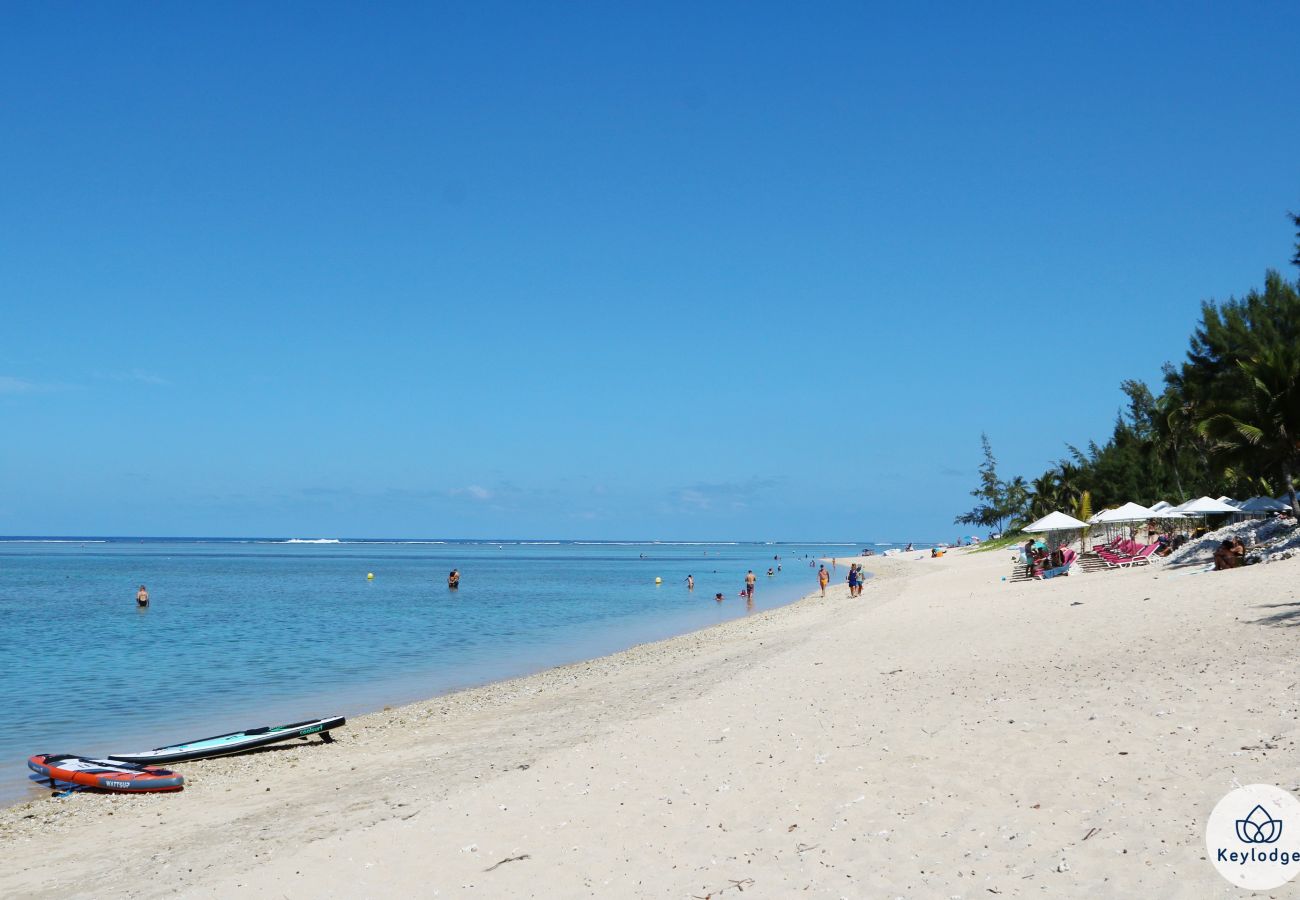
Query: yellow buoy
[659,581]
[370,576]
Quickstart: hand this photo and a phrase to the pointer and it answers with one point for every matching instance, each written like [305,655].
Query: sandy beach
[947,734]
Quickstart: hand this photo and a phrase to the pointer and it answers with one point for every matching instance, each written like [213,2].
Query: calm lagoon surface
[255,632]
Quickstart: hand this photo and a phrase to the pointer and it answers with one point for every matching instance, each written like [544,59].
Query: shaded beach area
[948,733]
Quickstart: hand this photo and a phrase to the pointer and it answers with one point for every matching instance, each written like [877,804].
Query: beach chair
[1143,556]
[1133,557]
[1115,561]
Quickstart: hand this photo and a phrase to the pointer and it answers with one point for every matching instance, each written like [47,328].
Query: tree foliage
[1295,220]
[996,500]
[1226,421]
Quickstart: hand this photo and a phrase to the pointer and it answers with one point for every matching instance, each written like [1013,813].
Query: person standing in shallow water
[690,582]
[142,597]
[750,578]
[453,579]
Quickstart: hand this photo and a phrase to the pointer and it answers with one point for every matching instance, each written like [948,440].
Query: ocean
[242,633]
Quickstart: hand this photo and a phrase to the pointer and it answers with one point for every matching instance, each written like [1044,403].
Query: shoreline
[523,611]
[24,820]
[375,707]
[945,733]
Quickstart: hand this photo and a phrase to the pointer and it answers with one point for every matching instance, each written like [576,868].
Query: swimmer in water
[142,597]
[690,582]
[453,579]
[718,596]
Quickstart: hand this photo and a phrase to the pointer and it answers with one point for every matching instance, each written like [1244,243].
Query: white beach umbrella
[1236,504]
[1262,505]
[1095,518]
[1056,521]
[1129,512]
[1161,505]
[1203,506]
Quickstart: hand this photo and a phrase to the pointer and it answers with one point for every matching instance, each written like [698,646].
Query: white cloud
[736,495]
[473,491]
[11,385]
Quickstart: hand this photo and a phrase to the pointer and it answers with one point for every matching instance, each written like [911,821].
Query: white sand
[946,735]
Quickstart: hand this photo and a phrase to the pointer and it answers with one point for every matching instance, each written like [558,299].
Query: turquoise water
[247,633]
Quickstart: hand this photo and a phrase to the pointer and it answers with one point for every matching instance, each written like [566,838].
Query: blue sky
[656,271]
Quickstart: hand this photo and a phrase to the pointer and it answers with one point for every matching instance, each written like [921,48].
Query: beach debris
[508,859]
[1091,832]
[791,828]
[739,885]
[1264,745]
[804,848]
[1063,866]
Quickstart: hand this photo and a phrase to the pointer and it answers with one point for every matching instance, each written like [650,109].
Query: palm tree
[1043,492]
[1174,431]
[1068,488]
[1261,429]
[1016,500]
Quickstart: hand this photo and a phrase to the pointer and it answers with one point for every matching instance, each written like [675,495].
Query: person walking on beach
[142,597]
[853,580]
[750,579]
[823,578]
